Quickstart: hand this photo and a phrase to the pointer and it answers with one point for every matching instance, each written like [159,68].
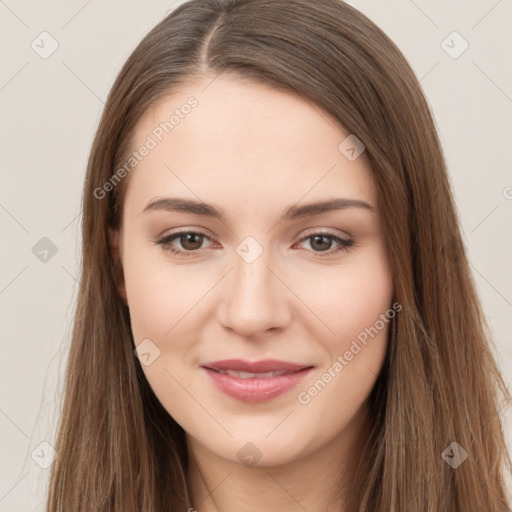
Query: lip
[255,389]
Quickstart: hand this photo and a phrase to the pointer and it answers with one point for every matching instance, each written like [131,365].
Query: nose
[256,298]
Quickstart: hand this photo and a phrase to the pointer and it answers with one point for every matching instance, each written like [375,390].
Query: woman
[276,311]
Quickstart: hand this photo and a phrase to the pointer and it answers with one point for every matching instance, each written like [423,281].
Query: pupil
[189,239]
[322,246]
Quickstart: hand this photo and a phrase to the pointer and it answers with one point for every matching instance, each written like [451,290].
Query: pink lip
[255,389]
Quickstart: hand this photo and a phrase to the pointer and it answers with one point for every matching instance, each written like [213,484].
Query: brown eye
[320,243]
[191,241]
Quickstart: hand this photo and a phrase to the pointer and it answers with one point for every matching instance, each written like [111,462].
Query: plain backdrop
[50,106]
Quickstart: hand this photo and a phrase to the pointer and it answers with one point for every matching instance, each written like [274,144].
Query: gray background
[50,109]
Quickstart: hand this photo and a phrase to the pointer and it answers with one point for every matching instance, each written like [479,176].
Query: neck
[317,482]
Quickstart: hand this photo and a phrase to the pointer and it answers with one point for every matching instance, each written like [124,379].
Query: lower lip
[256,389]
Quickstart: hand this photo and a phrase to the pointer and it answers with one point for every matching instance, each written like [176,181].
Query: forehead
[245,143]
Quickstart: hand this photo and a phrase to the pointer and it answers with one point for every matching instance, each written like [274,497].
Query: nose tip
[255,301]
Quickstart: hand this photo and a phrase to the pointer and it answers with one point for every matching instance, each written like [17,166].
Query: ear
[114,236]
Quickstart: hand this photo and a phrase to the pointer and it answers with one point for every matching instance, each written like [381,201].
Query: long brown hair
[118,448]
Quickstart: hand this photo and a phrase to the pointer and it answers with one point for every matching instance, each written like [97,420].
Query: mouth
[238,379]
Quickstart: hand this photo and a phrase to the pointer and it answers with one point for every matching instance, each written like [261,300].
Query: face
[256,275]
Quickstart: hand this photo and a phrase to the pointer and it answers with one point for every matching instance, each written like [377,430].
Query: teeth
[248,375]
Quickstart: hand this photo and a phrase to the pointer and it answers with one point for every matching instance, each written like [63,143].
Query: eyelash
[345,244]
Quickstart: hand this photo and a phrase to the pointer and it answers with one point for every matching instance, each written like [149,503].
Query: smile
[255,387]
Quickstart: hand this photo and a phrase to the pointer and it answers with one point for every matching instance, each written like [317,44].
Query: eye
[322,241]
[190,241]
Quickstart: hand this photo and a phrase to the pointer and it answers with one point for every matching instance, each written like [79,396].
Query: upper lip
[266,365]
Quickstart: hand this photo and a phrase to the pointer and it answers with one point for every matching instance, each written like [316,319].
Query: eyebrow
[176,204]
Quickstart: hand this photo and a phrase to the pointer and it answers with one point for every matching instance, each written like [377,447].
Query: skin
[253,151]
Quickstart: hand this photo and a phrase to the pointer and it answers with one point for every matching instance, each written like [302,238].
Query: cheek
[162,299]
[358,311]
[161,296]
[350,298]
[361,301]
